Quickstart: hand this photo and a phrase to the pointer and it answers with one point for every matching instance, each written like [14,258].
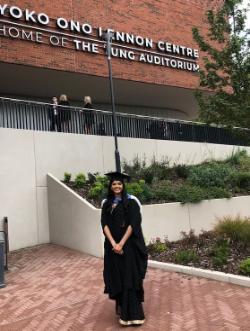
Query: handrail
[81,109]
[41,116]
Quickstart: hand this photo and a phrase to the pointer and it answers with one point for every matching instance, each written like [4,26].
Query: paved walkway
[54,288]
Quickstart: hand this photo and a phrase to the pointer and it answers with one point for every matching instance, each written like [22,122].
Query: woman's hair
[87,99]
[63,97]
[110,194]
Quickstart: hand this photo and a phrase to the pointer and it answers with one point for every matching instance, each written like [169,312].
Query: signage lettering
[63,33]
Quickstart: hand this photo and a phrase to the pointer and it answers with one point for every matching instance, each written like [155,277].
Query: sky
[245,4]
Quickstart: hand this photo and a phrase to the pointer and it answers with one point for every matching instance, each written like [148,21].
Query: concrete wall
[26,157]
[171,218]
[75,223]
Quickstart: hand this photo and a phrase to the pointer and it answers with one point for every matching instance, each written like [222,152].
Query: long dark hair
[110,195]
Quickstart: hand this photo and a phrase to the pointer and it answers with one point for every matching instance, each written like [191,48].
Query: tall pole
[108,37]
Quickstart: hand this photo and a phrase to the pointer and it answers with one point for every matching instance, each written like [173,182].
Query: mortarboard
[115,175]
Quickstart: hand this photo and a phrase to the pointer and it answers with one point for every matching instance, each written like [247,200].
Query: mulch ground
[203,245]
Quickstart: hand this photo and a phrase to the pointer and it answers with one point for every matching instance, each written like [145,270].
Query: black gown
[124,274]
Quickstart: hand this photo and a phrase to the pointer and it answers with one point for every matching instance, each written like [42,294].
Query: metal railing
[31,115]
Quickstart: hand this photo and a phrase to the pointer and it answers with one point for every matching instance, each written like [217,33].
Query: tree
[226,72]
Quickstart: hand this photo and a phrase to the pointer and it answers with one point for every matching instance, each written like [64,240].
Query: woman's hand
[117,248]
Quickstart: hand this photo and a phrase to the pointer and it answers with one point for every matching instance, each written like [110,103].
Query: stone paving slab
[53,288]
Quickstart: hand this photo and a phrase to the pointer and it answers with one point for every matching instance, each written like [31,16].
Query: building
[48,48]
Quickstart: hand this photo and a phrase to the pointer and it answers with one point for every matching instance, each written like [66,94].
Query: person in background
[53,116]
[125,254]
[88,114]
[64,113]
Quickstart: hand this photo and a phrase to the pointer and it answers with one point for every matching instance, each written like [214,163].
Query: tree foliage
[226,71]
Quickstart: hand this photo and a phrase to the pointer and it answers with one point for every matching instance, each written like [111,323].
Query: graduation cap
[115,175]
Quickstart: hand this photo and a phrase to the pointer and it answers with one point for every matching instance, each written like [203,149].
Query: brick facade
[165,20]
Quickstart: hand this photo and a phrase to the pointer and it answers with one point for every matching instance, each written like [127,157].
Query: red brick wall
[166,20]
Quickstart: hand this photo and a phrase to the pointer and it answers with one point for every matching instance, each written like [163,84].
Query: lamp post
[108,38]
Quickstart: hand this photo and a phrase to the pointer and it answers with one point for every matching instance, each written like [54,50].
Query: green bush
[103,180]
[140,189]
[80,180]
[186,256]
[220,253]
[163,191]
[182,171]
[237,157]
[217,193]
[237,229]
[187,193]
[97,191]
[245,267]
[241,180]
[67,177]
[157,246]
[156,170]
[210,175]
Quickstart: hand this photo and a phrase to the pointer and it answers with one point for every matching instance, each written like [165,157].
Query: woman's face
[117,187]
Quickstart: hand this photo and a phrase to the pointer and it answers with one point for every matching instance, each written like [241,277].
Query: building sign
[26,24]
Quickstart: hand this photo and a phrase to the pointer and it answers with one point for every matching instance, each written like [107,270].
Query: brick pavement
[54,288]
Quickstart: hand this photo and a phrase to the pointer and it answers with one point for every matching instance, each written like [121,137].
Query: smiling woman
[125,256]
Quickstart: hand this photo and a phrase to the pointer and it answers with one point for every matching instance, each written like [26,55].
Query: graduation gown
[124,274]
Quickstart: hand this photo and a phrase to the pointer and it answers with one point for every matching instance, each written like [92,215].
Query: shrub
[237,229]
[210,175]
[218,193]
[186,256]
[163,191]
[97,191]
[241,180]
[220,252]
[140,189]
[103,180]
[187,193]
[236,157]
[188,238]
[67,177]
[157,246]
[245,267]
[80,180]
[135,169]
[92,177]
[156,170]
[182,171]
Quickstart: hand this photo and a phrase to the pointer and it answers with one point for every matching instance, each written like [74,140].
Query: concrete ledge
[210,274]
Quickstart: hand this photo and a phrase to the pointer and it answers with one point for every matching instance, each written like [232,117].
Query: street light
[107,36]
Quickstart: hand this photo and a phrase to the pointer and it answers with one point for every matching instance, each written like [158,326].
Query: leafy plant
[220,252]
[186,256]
[182,170]
[140,189]
[226,67]
[237,229]
[187,193]
[241,179]
[157,246]
[210,175]
[96,192]
[245,267]
[67,177]
[80,180]
[163,191]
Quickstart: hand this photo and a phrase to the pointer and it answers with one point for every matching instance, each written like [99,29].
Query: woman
[64,113]
[125,256]
[88,115]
